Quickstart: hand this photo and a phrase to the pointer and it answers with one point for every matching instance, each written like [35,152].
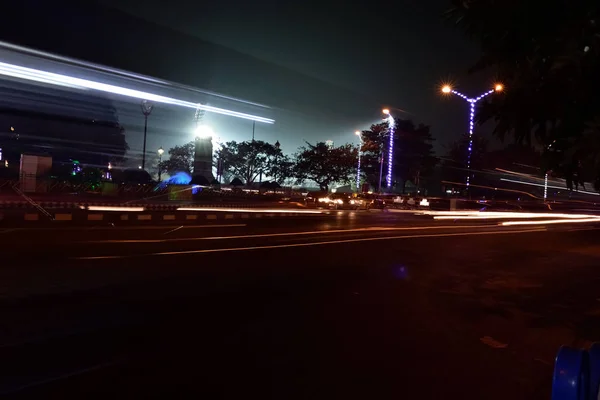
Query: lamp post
[146,110]
[160,153]
[358,133]
[391,127]
[446,89]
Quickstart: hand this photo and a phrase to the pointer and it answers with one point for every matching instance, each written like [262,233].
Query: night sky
[326,70]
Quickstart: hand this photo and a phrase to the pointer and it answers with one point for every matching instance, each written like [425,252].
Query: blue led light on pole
[391,128]
[472,101]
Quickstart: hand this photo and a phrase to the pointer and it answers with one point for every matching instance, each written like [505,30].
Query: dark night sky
[362,55]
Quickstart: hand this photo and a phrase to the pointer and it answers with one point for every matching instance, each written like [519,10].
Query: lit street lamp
[391,127]
[146,110]
[358,133]
[160,153]
[446,89]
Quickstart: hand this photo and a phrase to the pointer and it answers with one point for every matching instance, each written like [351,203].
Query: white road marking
[173,230]
[280,246]
[369,229]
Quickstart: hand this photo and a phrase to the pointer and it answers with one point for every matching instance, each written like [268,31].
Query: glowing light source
[472,101]
[36,75]
[552,221]
[514,215]
[204,132]
[545,187]
[114,208]
[358,133]
[250,210]
[391,128]
[386,111]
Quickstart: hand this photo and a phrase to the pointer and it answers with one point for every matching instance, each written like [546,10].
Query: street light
[447,89]
[160,153]
[146,110]
[391,126]
[358,133]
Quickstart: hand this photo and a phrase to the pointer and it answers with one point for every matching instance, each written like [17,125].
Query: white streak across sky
[51,78]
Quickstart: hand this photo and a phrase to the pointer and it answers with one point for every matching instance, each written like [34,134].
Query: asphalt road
[339,306]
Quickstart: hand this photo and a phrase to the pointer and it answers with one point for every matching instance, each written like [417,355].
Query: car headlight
[339,201]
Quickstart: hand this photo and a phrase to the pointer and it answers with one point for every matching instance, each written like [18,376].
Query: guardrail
[577,374]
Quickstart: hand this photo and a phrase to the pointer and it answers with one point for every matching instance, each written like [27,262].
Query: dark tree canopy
[454,163]
[181,159]
[252,160]
[547,53]
[413,157]
[326,165]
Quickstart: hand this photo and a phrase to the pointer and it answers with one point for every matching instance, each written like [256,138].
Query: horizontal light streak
[552,221]
[291,245]
[117,72]
[69,81]
[506,215]
[113,208]
[249,210]
[553,187]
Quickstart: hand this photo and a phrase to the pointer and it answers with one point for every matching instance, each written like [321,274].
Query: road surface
[337,306]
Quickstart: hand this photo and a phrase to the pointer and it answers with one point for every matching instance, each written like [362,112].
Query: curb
[26,217]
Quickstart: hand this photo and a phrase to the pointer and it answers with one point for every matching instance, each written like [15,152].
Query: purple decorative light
[358,172]
[359,134]
[472,103]
[392,126]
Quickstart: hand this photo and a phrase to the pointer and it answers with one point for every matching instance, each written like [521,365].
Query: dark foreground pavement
[353,307]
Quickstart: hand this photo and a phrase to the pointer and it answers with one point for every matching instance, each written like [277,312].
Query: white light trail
[36,75]
[249,210]
[552,221]
[553,187]
[114,208]
[311,244]
[117,72]
[506,215]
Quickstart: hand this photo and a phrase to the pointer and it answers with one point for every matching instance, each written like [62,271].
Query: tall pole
[472,101]
[358,172]
[160,153]
[253,126]
[144,148]
[391,127]
[146,110]
[358,133]
[380,171]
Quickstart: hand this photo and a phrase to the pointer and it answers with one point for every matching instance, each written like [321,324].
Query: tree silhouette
[549,65]
[325,165]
